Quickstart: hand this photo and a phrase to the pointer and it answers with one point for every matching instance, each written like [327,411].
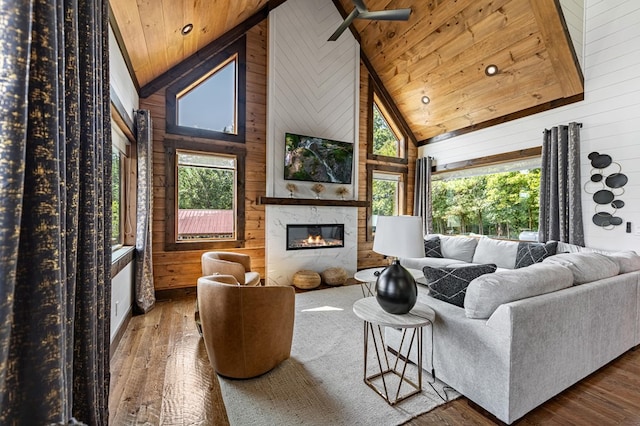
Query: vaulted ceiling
[440,52]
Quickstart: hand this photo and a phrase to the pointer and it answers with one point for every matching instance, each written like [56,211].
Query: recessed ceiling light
[425,100]
[491,70]
[186,29]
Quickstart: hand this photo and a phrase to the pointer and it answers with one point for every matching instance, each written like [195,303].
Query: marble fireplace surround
[282,263]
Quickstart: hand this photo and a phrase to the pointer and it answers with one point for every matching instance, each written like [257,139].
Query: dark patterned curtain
[55,212]
[144,289]
[560,198]
[422,193]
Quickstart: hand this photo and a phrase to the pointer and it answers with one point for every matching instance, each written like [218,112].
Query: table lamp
[396,237]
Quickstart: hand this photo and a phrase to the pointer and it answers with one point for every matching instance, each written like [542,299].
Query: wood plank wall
[181,269]
[366,257]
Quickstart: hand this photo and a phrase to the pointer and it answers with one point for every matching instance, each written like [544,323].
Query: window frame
[403,172]
[122,158]
[171,196]
[375,98]
[200,73]
[507,158]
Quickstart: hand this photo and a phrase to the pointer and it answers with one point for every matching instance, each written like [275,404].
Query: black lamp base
[396,289]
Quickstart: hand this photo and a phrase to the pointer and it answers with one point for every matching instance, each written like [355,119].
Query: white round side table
[412,323]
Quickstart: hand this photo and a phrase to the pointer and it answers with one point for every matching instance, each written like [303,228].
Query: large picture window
[501,201]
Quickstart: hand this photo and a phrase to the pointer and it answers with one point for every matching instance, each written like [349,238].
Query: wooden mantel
[311,202]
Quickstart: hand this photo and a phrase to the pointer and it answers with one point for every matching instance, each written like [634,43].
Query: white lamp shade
[399,236]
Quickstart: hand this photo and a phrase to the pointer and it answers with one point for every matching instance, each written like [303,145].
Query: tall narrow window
[210,103]
[117,207]
[120,148]
[206,196]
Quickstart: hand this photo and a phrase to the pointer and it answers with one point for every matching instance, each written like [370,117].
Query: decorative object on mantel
[306,279]
[398,236]
[334,276]
[318,188]
[291,187]
[605,187]
[342,191]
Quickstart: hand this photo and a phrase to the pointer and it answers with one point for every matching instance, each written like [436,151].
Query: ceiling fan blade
[387,15]
[336,34]
[359,4]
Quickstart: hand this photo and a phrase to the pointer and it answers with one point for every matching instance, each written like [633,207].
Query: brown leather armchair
[247,330]
[228,263]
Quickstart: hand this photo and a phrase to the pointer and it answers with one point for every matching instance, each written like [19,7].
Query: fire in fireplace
[300,237]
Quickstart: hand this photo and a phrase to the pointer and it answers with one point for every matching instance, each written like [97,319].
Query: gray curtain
[55,212]
[560,202]
[144,289]
[422,193]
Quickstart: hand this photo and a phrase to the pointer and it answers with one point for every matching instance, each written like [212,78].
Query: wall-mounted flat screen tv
[307,158]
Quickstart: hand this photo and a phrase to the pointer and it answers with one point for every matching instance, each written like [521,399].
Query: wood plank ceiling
[440,52]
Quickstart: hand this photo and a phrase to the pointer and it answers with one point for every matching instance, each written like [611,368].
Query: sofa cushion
[586,267]
[460,248]
[628,261]
[572,248]
[450,284]
[530,253]
[432,247]
[502,253]
[487,292]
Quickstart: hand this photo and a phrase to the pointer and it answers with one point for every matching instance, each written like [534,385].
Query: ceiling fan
[362,12]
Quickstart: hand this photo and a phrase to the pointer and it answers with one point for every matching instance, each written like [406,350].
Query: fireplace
[302,237]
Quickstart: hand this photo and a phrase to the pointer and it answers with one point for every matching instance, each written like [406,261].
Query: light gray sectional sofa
[526,334]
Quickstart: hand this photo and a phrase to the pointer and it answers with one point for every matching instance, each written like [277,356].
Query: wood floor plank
[130,401]
[160,374]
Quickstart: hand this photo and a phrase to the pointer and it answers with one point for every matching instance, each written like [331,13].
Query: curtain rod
[579,125]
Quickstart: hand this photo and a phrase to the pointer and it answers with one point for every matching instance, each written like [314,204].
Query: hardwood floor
[160,375]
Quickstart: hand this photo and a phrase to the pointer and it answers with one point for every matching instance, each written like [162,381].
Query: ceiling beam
[555,34]
[209,50]
[505,118]
[505,157]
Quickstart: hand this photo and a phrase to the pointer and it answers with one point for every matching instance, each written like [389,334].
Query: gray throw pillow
[450,284]
[530,253]
[432,247]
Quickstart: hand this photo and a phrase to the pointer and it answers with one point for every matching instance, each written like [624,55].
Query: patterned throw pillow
[450,284]
[530,253]
[432,247]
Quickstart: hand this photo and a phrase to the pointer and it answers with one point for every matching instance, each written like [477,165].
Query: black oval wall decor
[603,196]
[616,180]
[606,196]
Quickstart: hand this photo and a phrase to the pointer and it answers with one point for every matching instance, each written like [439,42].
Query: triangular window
[210,103]
[387,138]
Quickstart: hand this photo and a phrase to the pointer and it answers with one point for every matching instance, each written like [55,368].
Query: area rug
[322,383]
